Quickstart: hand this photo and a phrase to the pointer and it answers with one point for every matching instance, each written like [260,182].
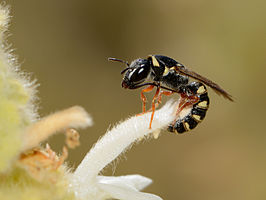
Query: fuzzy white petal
[115,141]
[126,193]
[135,181]
[109,147]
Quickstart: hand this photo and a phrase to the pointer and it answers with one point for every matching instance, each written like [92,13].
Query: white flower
[88,185]
[22,132]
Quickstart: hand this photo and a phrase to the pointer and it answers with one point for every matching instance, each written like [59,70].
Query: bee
[168,77]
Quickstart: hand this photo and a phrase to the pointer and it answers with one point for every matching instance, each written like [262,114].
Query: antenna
[122,61]
[118,60]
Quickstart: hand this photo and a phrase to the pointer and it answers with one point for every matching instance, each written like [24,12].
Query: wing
[214,86]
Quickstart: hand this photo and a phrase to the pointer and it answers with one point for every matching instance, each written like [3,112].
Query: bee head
[136,73]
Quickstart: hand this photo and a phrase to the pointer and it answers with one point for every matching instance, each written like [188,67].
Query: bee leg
[186,101]
[159,101]
[166,93]
[143,98]
[153,104]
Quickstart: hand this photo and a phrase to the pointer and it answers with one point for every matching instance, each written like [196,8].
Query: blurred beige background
[65,44]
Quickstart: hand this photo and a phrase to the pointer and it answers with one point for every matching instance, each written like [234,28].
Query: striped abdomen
[197,111]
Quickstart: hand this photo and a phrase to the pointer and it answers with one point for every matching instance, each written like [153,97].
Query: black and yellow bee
[165,73]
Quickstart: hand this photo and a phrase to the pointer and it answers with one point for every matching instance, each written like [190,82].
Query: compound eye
[139,74]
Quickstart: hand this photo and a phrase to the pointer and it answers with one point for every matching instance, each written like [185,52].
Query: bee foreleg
[153,104]
[143,98]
